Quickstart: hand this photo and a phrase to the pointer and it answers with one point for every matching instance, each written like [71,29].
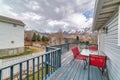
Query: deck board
[74,70]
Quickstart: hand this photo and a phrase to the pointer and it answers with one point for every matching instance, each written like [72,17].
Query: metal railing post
[33,75]
[11,73]
[46,65]
[42,68]
[58,61]
[0,74]
[49,66]
[68,46]
[47,49]
[52,62]
[38,68]
[60,53]
[20,71]
[27,76]
[61,48]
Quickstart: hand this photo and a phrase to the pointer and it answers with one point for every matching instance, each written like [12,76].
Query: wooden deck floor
[73,70]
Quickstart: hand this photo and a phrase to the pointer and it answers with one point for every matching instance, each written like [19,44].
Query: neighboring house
[11,36]
[29,35]
[28,38]
[69,40]
[107,22]
[55,39]
[40,34]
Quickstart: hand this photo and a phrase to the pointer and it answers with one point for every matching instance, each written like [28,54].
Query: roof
[104,10]
[10,20]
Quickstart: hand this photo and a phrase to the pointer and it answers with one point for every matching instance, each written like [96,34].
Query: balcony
[56,64]
[74,70]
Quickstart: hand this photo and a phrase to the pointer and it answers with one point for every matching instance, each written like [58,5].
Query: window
[104,30]
[12,42]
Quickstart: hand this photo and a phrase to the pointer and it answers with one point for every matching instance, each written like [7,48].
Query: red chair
[98,61]
[77,55]
[93,48]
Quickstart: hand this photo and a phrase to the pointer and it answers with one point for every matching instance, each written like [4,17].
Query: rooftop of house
[10,20]
[104,10]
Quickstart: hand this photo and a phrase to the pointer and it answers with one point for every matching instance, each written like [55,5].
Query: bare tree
[60,36]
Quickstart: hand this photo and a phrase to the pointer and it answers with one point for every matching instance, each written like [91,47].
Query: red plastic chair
[93,48]
[98,61]
[77,55]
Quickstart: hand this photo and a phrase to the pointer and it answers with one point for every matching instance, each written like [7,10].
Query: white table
[87,52]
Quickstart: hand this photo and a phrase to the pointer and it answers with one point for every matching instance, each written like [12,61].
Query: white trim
[98,6]
[119,26]
[98,41]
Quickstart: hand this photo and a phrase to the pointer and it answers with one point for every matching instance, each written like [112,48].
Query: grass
[30,50]
[35,49]
[36,74]
[16,76]
[16,55]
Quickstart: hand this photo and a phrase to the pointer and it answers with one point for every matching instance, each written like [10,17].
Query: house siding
[108,45]
[9,33]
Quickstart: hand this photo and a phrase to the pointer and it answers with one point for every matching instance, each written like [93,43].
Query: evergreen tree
[38,38]
[77,38]
[43,38]
[34,37]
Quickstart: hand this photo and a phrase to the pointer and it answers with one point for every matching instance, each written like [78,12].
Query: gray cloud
[49,15]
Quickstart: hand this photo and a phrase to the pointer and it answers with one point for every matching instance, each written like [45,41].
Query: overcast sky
[50,15]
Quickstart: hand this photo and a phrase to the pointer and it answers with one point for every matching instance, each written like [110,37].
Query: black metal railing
[39,67]
[36,68]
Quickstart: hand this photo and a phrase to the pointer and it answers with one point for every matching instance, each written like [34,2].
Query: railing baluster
[49,64]
[11,73]
[60,53]
[52,62]
[33,76]
[47,49]
[42,67]
[68,47]
[0,74]
[27,75]
[61,48]
[55,61]
[20,71]
[46,65]
[38,68]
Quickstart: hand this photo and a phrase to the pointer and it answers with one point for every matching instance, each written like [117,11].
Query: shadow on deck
[74,70]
